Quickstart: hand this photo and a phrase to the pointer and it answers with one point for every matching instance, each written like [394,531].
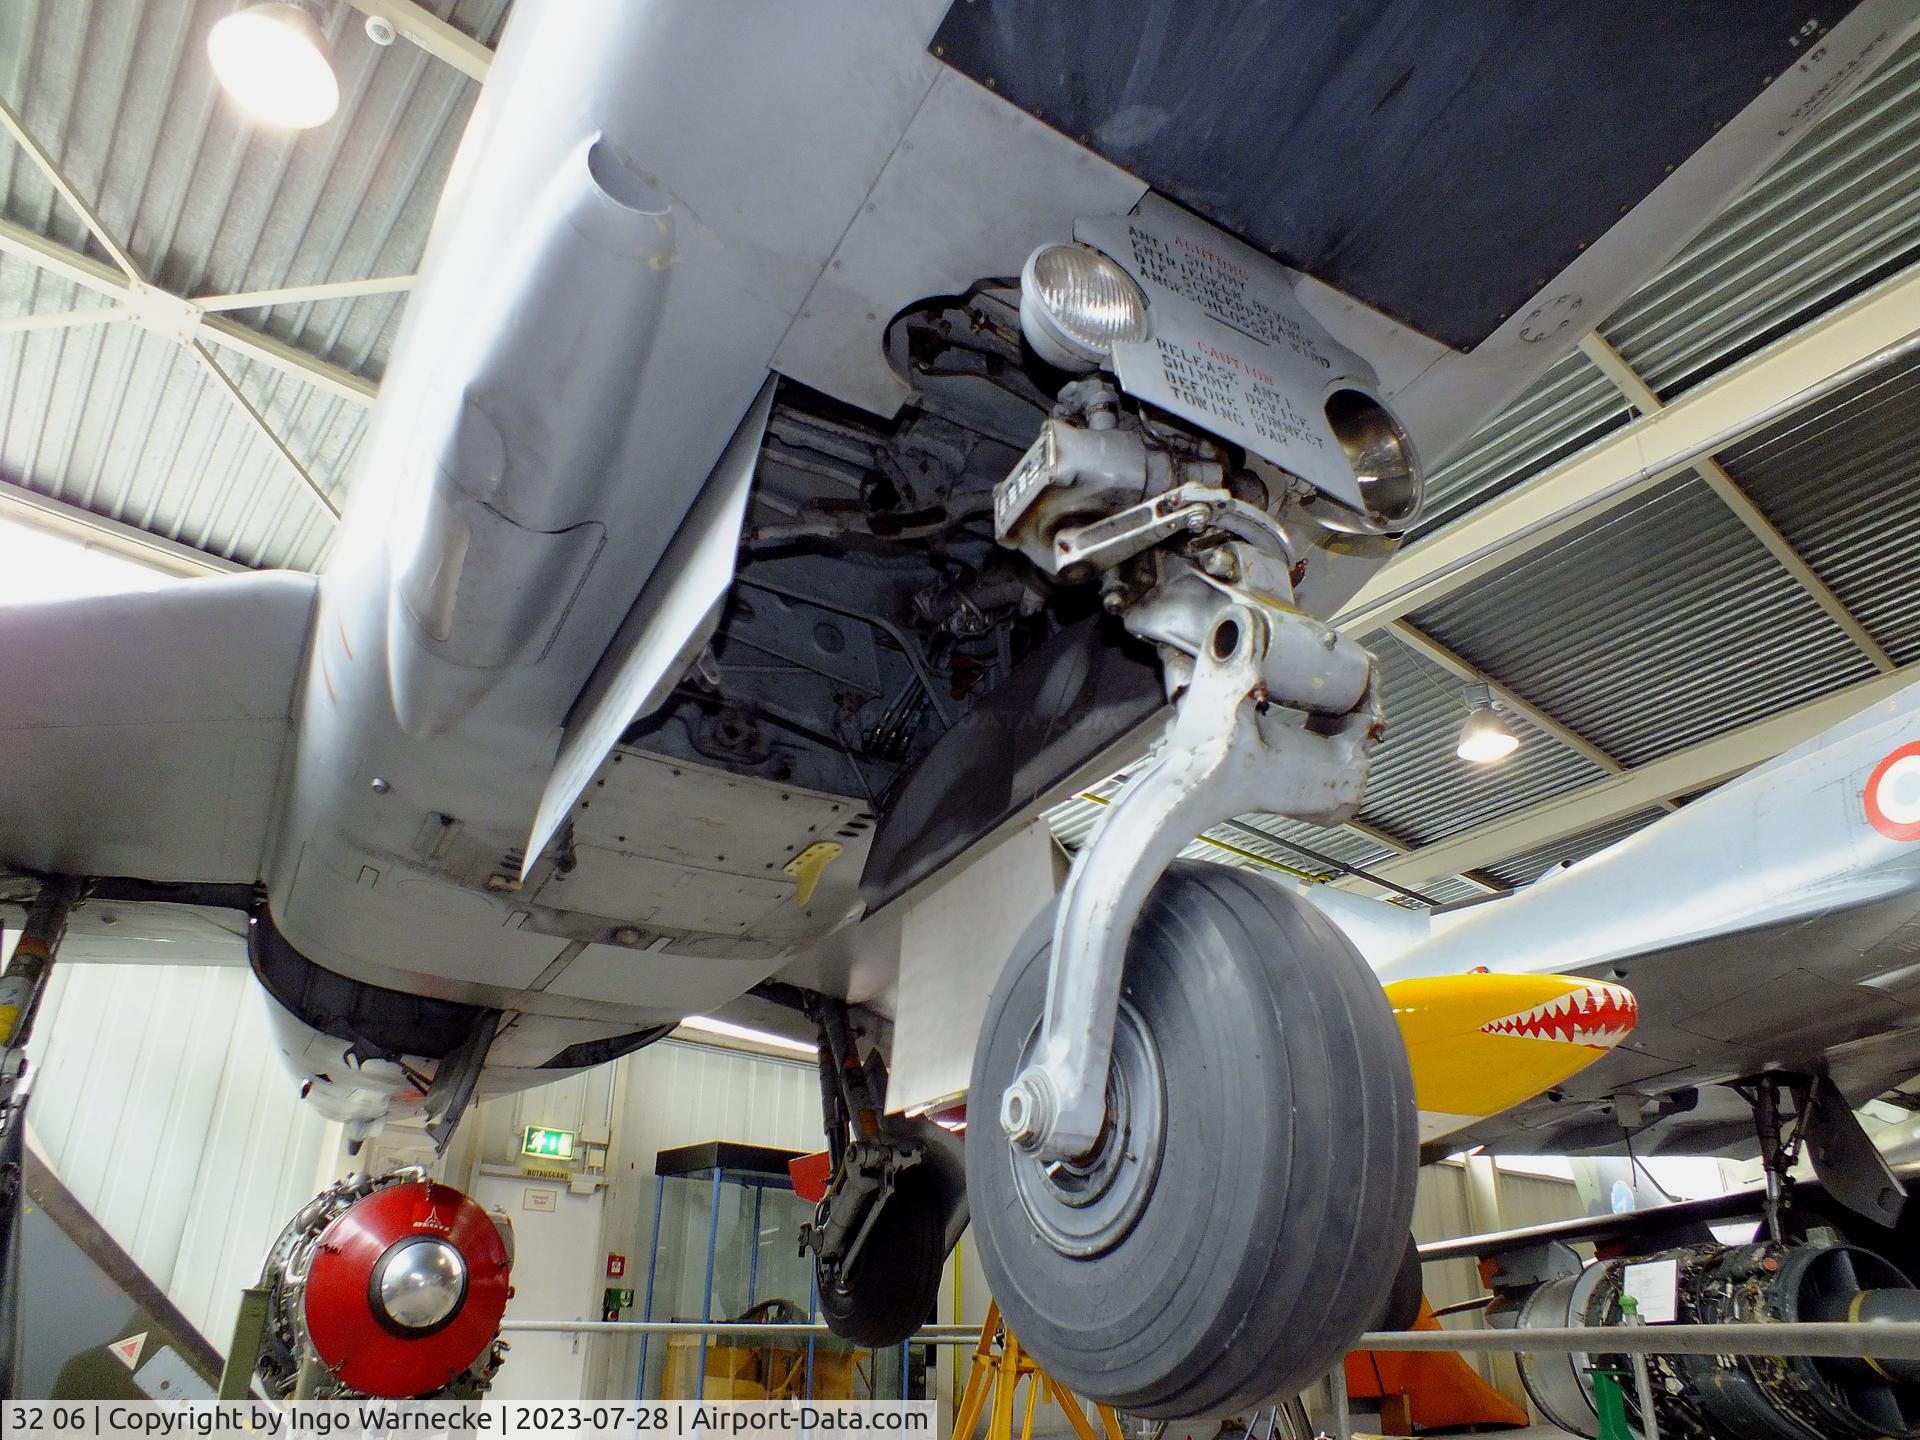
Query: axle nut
[1026,1111]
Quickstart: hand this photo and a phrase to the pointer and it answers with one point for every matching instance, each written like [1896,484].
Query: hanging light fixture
[273,59]
[1484,737]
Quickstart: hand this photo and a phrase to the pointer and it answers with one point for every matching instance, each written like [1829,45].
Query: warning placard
[1229,346]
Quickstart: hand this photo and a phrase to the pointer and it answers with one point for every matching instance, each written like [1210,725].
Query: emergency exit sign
[547,1144]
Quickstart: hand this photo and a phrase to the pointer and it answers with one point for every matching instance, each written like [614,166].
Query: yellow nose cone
[1481,1044]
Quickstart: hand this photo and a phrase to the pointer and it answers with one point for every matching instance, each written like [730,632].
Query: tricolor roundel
[1893,794]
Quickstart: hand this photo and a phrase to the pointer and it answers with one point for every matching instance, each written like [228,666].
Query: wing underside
[144,732]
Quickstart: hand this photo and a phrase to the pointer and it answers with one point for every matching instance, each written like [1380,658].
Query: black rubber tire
[1272,1234]
[1402,1310]
[894,1285]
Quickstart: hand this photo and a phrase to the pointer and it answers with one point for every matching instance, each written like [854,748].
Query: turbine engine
[393,1286]
[1749,1397]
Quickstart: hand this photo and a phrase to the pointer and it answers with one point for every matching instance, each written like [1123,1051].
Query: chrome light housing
[1485,738]
[1076,305]
[1391,484]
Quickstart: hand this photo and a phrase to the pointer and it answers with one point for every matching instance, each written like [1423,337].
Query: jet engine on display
[390,1286]
[1727,1397]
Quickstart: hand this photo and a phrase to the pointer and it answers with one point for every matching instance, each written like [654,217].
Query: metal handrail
[1885,1340]
[930,1335]
[1830,1340]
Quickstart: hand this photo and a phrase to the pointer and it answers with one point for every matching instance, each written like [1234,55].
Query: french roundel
[1893,794]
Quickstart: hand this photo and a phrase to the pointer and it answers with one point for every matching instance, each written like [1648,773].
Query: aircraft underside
[820,442]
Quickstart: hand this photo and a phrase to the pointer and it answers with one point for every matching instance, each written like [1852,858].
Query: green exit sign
[547,1144]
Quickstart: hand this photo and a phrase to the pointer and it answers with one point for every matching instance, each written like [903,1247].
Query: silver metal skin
[421,1284]
[623,254]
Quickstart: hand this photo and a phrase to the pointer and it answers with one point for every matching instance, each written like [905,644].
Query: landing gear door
[1228,345]
[959,930]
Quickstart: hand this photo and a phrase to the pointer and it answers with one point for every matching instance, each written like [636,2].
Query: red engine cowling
[405,1290]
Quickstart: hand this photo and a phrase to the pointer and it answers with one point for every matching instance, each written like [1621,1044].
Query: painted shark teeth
[1598,1015]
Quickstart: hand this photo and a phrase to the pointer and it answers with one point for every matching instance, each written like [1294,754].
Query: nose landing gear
[1200,1185]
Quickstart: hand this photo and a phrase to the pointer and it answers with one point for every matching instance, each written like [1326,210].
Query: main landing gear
[896,1202]
[1822,1121]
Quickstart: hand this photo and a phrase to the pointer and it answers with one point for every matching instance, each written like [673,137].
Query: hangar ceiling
[1652,642]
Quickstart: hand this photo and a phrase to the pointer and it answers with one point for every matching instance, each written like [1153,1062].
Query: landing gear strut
[1198,1188]
[25,982]
[881,1233]
[1844,1157]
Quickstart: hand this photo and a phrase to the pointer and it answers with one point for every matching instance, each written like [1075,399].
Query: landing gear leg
[1779,1150]
[1854,1172]
[25,982]
[1205,1114]
[1204,1110]
[881,1233]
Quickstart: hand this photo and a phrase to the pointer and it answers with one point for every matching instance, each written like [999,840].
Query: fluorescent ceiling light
[726,1030]
[37,564]
[273,59]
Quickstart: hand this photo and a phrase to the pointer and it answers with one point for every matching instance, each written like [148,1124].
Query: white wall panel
[668,1095]
[160,1103]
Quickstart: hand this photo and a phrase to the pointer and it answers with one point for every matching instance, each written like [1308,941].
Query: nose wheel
[1241,1215]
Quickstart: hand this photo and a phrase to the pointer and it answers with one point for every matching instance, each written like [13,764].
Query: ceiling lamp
[273,59]
[1485,738]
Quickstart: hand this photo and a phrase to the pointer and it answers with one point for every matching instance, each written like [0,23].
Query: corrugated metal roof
[1660,624]
[1421,791]
[1452,890]
[1840,211]
[1843,485]
[115,420]
[1569,407]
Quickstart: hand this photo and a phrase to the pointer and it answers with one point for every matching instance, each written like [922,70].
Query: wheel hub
[1085,1206]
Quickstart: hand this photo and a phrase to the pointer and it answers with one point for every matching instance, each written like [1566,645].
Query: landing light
[272,58]
[1076,305]
[1485,738]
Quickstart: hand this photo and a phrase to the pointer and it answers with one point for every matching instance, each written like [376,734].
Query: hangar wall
[161,1105]
[668,1095]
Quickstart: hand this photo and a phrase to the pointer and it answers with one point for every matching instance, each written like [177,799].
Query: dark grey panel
[1439,161]
[80,1293]
[1074,697]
